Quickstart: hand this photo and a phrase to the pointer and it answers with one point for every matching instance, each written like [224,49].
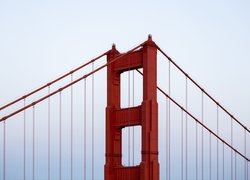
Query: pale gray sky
[209,39]
[41,40]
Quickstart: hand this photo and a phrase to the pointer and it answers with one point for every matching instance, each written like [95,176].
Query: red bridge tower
[145,115]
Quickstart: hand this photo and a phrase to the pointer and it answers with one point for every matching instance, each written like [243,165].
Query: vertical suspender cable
[84,136]
[133,129]
[223,161]
[182,144]
[60,135]
[245,152]
[166,138]
[217,146]
[93,122]
[129,117]
[48,134]
[24,140]
[169,133]
[186,126]
[202,138]
[4,148]
[210,157]
[235,166]
[33,146]
[247,169]
[71,129]
[196,144]
[231,149]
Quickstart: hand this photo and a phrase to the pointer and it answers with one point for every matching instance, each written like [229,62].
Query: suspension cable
[93,122]
[52,82]
[70,84]
[196,119]
[48,134]
[204,126]
[24,141]
[71,129]
[194,82]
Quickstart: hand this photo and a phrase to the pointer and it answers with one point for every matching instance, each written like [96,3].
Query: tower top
[149,37]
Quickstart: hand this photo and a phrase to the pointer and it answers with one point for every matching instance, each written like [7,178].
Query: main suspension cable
[68,85]
[204,126]
[194,82]
[52,82]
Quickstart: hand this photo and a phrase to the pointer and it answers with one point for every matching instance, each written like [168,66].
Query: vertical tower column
[113,134]
[149,122]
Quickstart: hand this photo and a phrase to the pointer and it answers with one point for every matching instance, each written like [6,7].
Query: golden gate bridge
[126,116]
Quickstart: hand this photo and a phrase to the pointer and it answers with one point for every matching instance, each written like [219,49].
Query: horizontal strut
[128,117]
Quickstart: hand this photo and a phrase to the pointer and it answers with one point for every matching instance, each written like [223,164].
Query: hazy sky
[41,40]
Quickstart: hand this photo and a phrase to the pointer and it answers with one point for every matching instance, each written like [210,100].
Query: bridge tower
[145,115]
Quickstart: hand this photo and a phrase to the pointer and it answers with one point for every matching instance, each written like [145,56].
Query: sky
[41,40]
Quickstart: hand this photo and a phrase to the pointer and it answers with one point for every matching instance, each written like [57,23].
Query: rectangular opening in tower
[131,89]
[131,146]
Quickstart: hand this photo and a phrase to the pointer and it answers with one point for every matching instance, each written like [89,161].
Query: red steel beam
[128,117]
